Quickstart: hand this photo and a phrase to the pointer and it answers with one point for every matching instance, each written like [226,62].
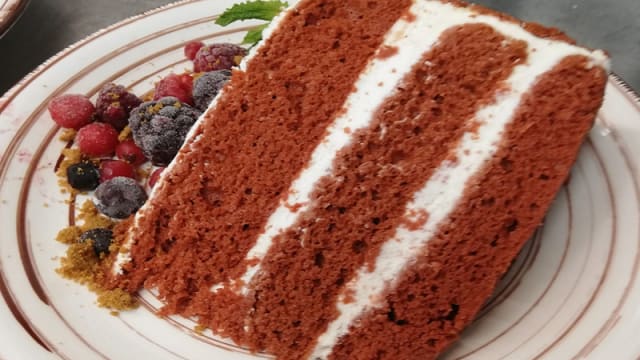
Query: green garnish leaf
[254,35]
[251,10]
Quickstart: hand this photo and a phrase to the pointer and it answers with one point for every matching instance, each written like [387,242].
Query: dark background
[48,26]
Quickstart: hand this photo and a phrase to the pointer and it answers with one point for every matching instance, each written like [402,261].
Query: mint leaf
[257,9]
[254,35]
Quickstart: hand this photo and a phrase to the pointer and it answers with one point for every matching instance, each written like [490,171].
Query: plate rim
[7,98]
[7,22]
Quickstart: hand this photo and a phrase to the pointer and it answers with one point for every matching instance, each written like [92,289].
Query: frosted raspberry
[178,86]
[97,139]
[71,111]
[114,105]
[218,57]
[191,49]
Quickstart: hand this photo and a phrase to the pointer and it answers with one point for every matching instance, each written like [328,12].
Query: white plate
[573,293]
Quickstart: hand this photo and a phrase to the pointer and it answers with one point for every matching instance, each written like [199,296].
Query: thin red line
[553,279]
[564,302]
[606,327]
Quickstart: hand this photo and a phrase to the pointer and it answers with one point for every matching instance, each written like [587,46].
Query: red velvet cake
[365,178]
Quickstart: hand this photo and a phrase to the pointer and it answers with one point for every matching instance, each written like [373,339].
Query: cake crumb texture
[358,207]
[259,137]
[445,288]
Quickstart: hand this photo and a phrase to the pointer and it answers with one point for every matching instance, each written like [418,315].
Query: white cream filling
[442,192]
[124,256]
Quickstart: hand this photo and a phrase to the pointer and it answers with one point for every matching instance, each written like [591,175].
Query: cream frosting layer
[442,192]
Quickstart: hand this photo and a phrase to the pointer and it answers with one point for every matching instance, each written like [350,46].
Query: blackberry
[160,127]
[218,57]
[207,86]
[83,176]
[114,105]
[120,197]
[101,239]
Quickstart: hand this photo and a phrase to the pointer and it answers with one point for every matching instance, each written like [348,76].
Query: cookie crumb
[69,235]
[124,134]
[67,135]
[91,217]
[117,300]
[199,329]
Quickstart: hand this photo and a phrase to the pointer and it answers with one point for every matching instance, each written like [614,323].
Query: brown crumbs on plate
[199,329]
[80,263]
[116,299]
[91,217]
[69,235]
[67,135]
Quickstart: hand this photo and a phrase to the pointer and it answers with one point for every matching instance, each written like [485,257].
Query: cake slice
[365,179]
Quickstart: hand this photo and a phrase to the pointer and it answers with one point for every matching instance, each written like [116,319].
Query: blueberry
[83,176]
[120,197]
[101,238]
[160,128]
[207,86]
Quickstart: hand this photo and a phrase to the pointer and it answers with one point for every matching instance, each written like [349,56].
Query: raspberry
[71,111]
[83,176]
[192,48]
[101,239]
[130,152]
[178,86]
[114,105]
[160,127]
[114,168]
[207,86]
[120,197]
[153,179]
[97,139]
[218,57]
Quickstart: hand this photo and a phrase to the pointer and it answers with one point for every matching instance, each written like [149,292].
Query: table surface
[48,26]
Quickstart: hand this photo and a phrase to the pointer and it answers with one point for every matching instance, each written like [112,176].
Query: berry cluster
[120,133]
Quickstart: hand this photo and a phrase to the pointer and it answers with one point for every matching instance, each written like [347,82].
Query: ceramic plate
[10,11]
[574,292]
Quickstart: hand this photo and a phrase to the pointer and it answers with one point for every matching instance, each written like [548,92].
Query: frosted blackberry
[160,127]
[120,197]
[101,239]
[114,105]
[207,86]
